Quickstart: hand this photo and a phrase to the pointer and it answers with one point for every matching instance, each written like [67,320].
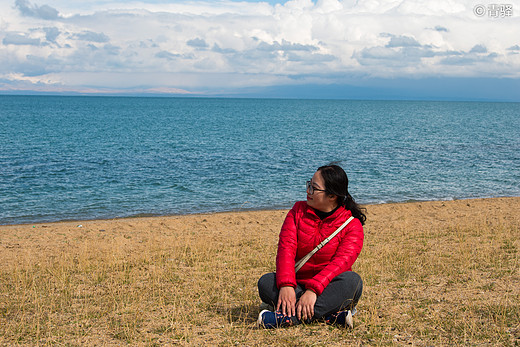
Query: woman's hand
[305,306]
[287,301]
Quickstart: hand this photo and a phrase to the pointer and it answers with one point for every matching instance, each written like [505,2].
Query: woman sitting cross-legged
[325,287]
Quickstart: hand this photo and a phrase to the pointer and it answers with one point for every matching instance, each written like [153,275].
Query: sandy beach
[435,272]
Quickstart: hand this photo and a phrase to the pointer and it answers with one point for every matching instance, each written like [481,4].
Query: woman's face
[320,200]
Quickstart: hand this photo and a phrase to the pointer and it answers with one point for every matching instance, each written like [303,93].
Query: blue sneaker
[342,318]
[269,320]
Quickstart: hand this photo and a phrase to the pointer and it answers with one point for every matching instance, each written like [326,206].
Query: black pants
[342,293]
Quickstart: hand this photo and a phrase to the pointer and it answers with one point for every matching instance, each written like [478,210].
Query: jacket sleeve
[345,256]
[285,257]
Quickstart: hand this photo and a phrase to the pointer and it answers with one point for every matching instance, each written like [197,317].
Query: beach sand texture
[435,273]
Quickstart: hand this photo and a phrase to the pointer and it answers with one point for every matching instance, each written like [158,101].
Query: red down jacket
[301,232]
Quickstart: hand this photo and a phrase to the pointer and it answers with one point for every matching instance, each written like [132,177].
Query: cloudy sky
[368,49]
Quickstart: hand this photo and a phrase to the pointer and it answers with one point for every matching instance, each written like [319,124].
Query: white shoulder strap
[303,260]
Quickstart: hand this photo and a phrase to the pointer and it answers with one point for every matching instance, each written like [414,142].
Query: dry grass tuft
[436,273]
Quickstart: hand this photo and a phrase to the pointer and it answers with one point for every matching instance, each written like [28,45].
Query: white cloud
[43,12]
[91,37]
[11,38]
[478,49]
[51,34]
[197,43]
[188,44]
[402,41]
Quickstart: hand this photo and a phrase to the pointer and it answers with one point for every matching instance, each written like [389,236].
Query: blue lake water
[64,158]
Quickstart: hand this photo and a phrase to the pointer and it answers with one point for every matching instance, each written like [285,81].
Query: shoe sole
[349,321]
[260,322]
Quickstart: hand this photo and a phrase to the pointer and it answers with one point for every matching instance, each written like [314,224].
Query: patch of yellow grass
[434,273]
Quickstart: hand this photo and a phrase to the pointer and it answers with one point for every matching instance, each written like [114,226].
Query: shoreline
[243,211]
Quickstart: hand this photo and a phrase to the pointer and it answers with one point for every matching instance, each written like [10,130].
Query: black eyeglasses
[311,189]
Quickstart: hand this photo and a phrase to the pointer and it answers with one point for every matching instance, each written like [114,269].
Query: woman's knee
[266,280]
[267,288]
[267,283]
[357,284]
[351,281]
[355,278]
[348,276]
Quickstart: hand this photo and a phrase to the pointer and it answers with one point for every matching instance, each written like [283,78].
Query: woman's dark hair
[336,183]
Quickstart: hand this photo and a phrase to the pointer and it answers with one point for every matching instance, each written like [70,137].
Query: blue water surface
[64,158]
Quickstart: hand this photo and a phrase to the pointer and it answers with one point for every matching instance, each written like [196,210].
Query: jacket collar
[340,210]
